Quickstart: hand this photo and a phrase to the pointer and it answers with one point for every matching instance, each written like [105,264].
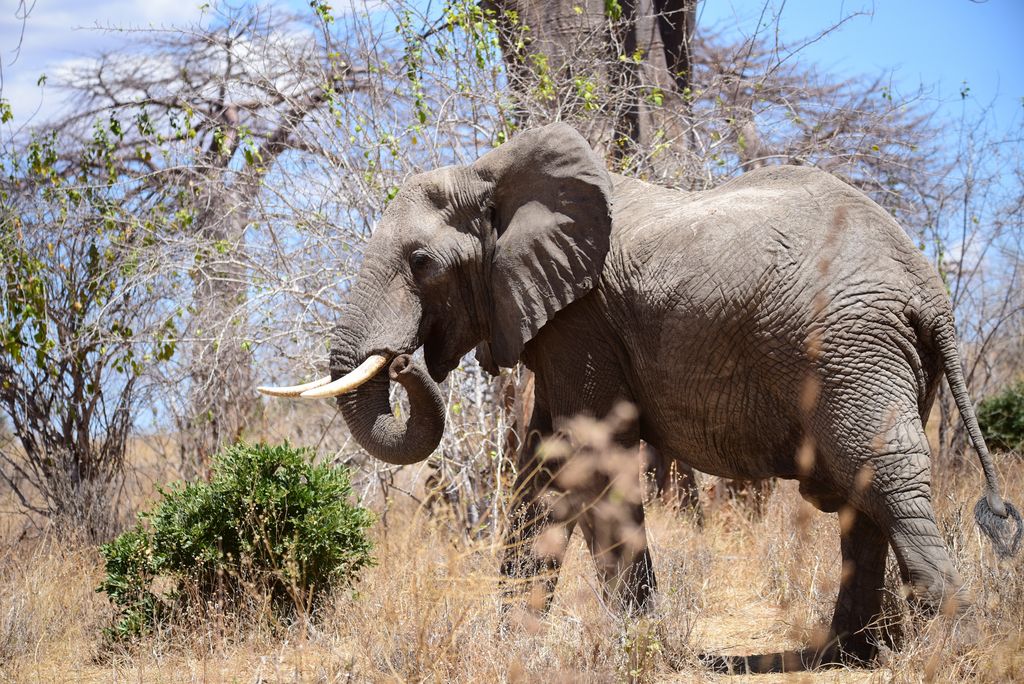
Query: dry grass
[429,611]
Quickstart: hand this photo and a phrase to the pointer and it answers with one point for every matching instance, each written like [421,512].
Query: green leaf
[269,520]
[1001,418]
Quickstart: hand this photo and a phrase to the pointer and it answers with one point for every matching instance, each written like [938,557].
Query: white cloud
[59,33]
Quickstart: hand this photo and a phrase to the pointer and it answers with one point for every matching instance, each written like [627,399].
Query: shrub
[1002,419]
[269,521]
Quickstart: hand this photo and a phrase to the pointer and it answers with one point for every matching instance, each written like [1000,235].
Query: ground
[429,610]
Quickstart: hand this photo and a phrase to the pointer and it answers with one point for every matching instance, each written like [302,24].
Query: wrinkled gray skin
[781,325]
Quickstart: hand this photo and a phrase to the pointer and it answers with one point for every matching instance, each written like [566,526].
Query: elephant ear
[551,219]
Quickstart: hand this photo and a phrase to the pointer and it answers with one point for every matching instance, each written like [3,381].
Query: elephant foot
[762,663]
[850,653]
[850,650]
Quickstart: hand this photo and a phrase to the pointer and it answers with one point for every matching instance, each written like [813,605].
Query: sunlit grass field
[429,610]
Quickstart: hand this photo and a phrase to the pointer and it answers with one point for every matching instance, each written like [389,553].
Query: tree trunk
[221,400]
[622,69]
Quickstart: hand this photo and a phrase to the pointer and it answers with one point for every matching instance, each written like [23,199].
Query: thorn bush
[269,521]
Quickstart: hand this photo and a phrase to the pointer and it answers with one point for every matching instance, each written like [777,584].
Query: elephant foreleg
[615,534]
[533,548]
[538,528]
[675,481]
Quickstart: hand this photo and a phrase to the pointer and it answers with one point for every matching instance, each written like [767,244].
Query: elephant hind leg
[894,488]
[857,617]
[924,561]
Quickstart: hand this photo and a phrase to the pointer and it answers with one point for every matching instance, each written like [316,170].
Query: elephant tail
[995,516]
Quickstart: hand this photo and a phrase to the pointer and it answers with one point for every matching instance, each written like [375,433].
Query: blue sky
[938,44]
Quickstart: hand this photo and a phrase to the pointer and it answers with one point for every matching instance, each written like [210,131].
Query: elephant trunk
[370,418]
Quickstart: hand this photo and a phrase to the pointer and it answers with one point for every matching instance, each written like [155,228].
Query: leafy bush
[1002,419]
[269,521]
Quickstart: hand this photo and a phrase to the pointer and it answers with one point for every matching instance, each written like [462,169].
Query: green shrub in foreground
[268,521]
[1002,419]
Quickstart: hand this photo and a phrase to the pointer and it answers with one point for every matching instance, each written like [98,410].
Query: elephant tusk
[366,370]
[294,390]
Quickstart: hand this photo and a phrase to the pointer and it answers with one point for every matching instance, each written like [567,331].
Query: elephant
[674,482]
[779,325]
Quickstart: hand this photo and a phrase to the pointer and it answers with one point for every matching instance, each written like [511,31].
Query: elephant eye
[421,263]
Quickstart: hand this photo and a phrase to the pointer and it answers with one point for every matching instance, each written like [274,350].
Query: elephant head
[463,256]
